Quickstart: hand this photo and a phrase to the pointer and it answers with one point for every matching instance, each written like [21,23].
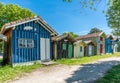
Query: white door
[90,50]
[45,49]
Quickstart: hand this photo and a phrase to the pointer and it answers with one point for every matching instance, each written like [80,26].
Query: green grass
[84,60]
[8,73]
[112,76]
[0,60]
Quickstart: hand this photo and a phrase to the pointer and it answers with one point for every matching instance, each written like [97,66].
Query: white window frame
[26,43]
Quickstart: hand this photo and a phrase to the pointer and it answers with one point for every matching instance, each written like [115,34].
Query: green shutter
[64,46]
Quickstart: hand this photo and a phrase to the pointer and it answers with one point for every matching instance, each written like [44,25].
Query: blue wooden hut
[28,40]
[109,45]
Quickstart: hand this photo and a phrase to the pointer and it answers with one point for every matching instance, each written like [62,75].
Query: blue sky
[66,17]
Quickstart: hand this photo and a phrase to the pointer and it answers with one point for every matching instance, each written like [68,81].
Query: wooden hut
[99,39]
[112,44]
[63,46]
[109,45]
[89,48]
[115,42]
[79,48]
[28,40]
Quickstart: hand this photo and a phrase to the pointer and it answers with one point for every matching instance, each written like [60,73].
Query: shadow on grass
[88,73]
[1,60]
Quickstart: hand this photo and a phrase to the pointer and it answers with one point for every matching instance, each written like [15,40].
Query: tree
[11,12]
[94,30]
[113,17]
[72,34]
[112,13]
[92,4]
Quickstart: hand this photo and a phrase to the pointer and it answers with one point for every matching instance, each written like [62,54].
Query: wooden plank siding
[59,51]
[13,54]
[7,47]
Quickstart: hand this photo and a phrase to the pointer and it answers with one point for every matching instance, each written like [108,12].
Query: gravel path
[87,73]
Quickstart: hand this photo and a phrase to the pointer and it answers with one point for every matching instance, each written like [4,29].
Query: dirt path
[70,74]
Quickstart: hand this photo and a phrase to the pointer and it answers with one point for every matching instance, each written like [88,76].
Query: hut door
[90,50]
[45,49]
[70,51]
[101,48]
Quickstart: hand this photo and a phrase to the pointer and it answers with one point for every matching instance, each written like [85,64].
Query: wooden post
[55,50]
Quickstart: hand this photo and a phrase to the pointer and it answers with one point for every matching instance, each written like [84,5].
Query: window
[64,46]
[101,38]
[80,48]
[25,43]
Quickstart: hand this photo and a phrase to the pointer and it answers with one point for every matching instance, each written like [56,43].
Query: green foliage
[71,33]
[84,60]
[11,12]
[1,47]
[112,76]
[94,30]
[91,4]
[113,17]
[8,73]
[67,0]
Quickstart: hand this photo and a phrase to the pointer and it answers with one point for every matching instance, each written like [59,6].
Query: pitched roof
[110,36]
[25,20]
[88,36]
[58,38]
[77,42]
[89,41]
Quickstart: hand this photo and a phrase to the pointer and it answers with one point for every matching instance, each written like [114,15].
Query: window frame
[101,38]
[64,44]
[81,48]
[26,43]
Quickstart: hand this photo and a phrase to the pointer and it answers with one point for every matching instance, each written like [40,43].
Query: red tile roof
[88,36]
[19,21]
[14,23]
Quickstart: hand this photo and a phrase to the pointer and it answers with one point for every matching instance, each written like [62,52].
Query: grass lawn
[112,76]
[0,60]
[8,73]
[84,60]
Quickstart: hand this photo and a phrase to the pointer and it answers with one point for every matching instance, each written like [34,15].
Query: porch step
[46,63]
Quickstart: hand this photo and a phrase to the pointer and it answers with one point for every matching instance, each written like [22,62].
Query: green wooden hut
[63,46]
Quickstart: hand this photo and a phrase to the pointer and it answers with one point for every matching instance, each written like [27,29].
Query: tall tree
[113,17]
[94,30]
[72,34]
[11,12]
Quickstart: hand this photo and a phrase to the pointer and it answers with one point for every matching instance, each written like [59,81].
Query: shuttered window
[64,46]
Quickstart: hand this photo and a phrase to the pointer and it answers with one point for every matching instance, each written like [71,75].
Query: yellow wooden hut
[79,48]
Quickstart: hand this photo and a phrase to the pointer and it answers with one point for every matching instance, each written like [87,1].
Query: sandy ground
[87,73]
